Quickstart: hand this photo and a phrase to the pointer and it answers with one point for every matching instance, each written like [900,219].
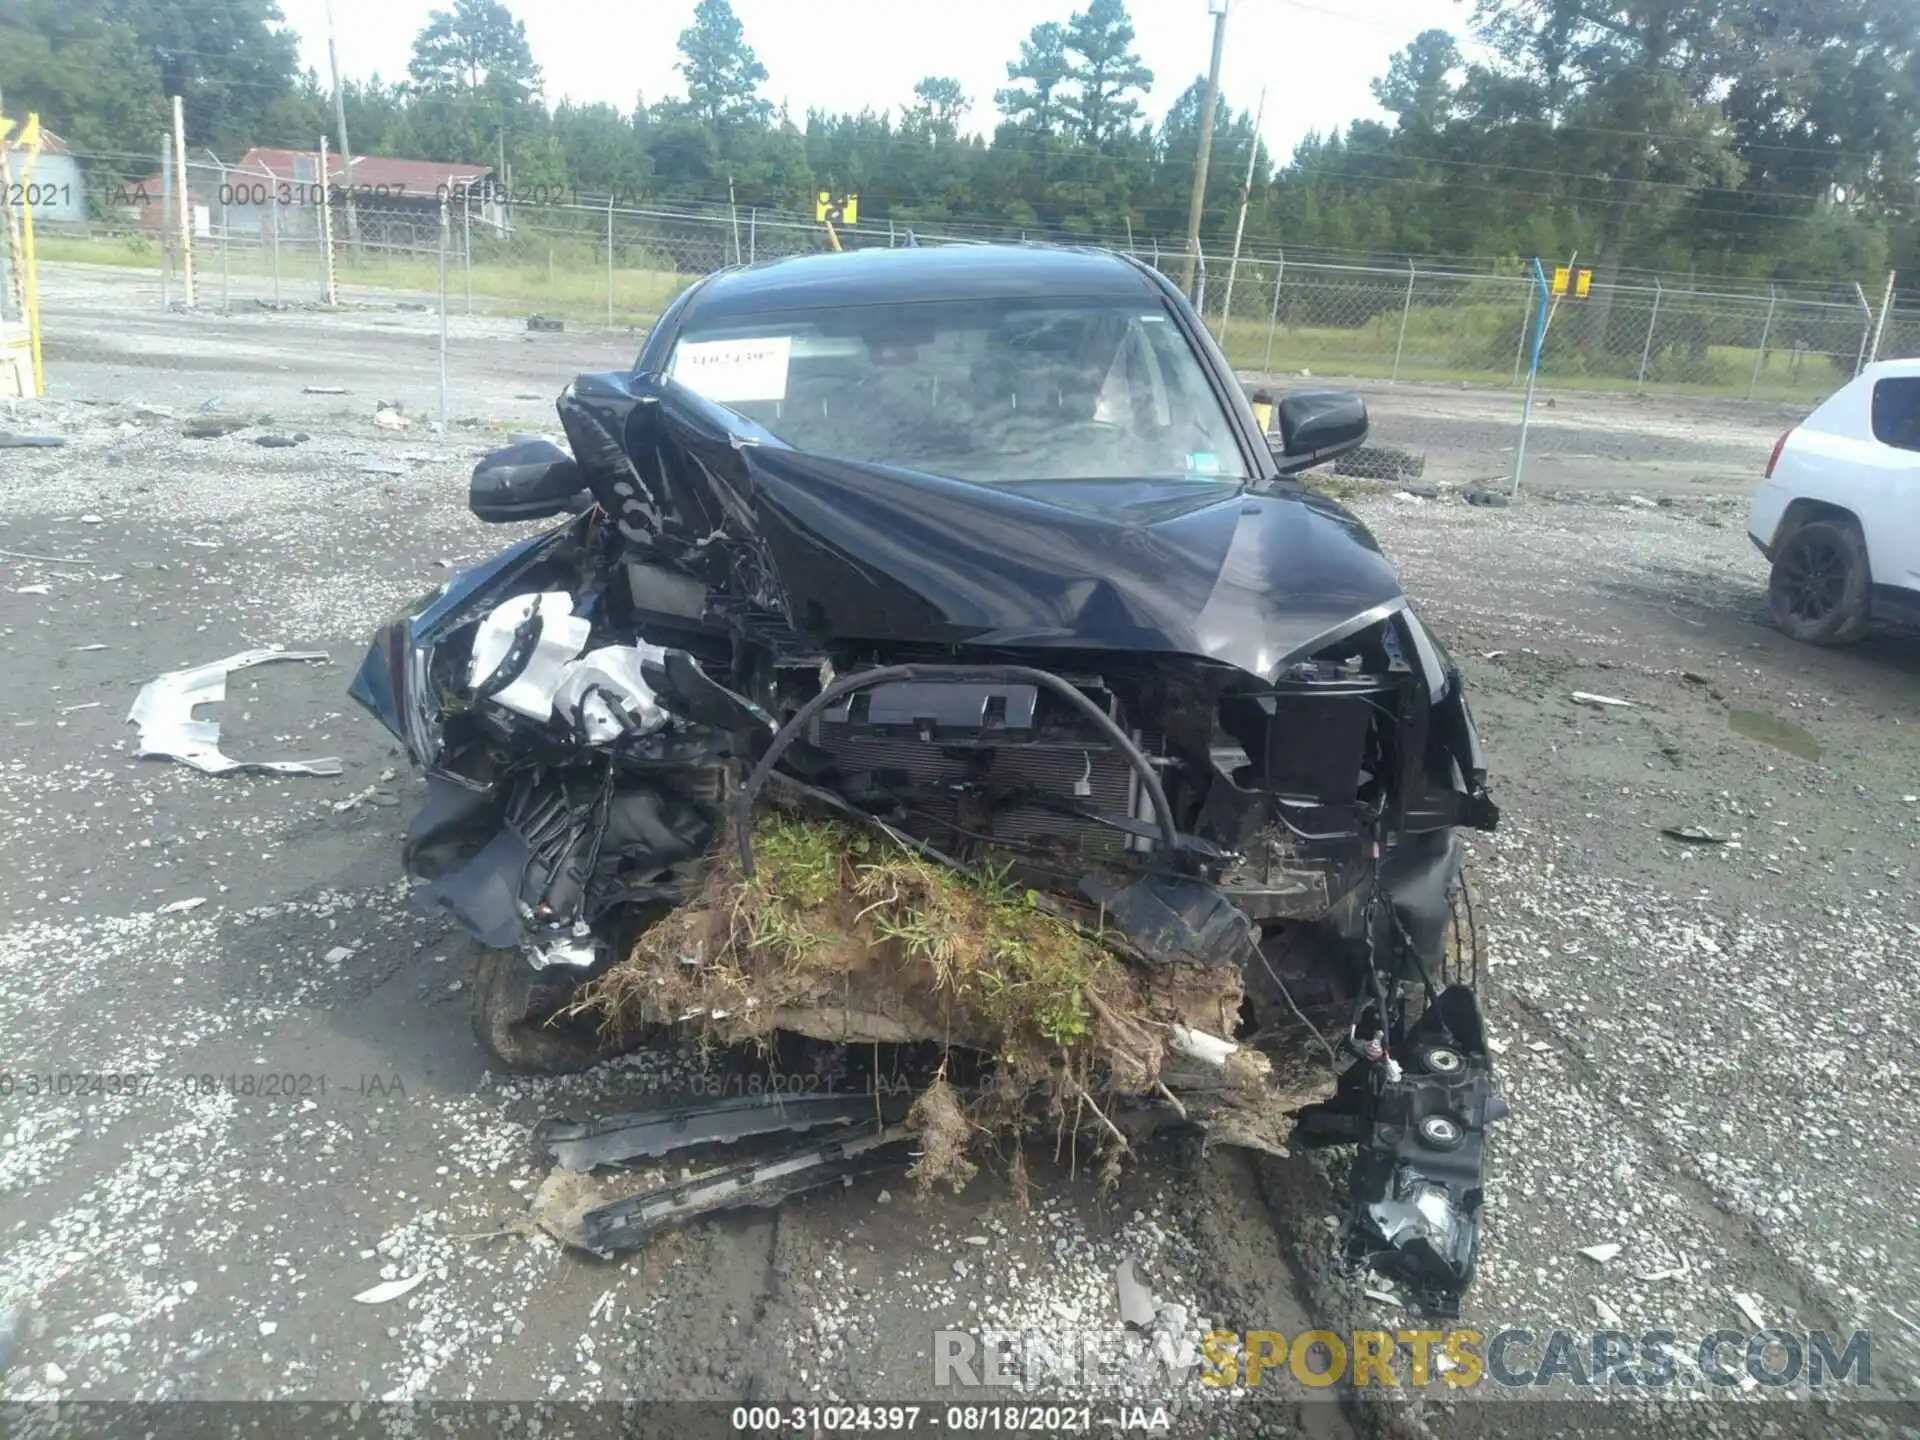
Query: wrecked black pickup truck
[940,654]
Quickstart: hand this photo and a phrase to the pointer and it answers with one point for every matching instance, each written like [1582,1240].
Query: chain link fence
[1424,324]
[1410,334]
[254,237]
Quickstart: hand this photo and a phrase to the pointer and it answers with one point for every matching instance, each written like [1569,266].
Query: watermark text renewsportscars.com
[1097,1362]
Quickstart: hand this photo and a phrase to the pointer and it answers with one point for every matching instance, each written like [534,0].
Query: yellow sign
[1578,282]
[843,211]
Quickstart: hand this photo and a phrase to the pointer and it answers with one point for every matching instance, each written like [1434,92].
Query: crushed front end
[1200,724]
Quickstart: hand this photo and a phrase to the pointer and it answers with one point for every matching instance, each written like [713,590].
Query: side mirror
[533,480]
[1317,426]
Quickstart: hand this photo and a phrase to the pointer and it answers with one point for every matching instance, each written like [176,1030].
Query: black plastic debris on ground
[608,1141]
[212,427]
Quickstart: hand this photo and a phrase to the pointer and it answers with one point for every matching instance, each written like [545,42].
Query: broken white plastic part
[527,641]
[604,696]
[566,953]
[1199,1045]
[1137,1303]
[389,1289]
[164,712]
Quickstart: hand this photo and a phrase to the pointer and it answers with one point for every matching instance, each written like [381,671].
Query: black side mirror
[1317,426]
[533,480]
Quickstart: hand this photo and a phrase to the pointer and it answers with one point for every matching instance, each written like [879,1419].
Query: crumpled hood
[865,552]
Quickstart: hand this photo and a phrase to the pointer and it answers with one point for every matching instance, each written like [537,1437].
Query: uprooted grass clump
[853,938]
[871,935]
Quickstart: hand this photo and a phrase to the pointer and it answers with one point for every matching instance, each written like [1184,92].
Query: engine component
[603,695]
[522,649]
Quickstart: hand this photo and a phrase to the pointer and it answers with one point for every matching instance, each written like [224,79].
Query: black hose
[866,679]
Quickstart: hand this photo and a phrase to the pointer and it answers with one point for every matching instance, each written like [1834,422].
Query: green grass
[74,250]
[497,285]
[1477,344]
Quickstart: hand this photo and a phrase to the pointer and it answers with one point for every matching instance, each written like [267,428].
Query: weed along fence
[246,237]
[1652,336]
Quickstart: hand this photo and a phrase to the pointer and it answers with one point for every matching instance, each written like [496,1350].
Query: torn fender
[853,551]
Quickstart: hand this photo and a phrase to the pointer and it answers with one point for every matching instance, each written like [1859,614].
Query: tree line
[1775,140]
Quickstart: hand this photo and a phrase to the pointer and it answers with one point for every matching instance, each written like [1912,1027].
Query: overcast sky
[1314,56]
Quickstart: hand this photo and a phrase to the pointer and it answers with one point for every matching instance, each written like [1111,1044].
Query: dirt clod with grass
[850,938]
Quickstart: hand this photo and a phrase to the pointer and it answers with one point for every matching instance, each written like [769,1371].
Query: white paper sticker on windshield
[730,371]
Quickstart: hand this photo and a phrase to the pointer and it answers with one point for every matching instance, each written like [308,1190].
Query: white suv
[1839,511]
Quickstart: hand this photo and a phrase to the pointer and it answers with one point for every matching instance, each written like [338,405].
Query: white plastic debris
[1603,702]
[522,648]
[1609,1316]
[1199,1045]
[33,590]
[1601,1254]
[181,906]
[1137,1303]
[164,712]
[603,694]
[389,1289]
[1749,1308]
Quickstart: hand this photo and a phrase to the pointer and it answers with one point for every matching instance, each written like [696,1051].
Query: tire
[516,1017]
[1821,586]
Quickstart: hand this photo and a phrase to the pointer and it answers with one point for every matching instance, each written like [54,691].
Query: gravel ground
[1702,1042]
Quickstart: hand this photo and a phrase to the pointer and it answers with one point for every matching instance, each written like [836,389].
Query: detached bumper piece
[583,1146]
[628,1223]
[1420,1118]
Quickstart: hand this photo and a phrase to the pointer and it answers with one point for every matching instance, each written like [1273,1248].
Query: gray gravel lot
[1706,1046]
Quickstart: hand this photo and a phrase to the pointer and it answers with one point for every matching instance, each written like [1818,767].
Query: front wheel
[518,1021]
[1821,583]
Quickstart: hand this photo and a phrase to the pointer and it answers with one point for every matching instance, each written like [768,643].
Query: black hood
[852,551]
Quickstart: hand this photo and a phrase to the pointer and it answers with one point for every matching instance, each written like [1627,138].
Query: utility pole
[186,199]
[340,121]
[1240,225]
[1194,207]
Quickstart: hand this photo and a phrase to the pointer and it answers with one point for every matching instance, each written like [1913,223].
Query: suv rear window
[1896,412]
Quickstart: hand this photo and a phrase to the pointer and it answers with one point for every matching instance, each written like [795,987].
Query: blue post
[1533,369]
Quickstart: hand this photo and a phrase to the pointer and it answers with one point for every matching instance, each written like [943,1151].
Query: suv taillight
[1778,446]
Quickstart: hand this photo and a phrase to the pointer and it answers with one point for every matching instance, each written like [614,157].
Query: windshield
[985,392]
